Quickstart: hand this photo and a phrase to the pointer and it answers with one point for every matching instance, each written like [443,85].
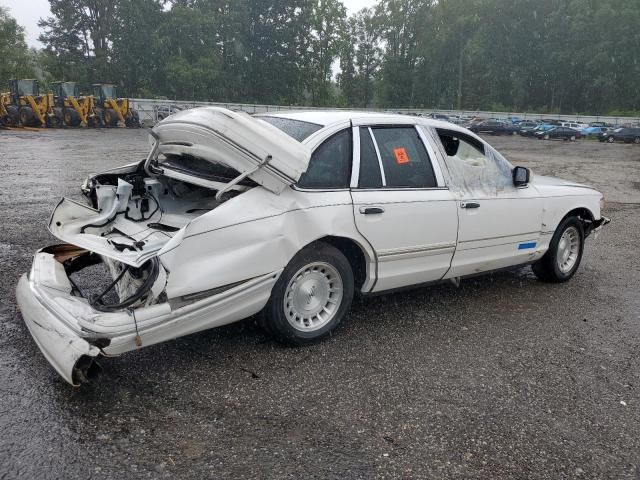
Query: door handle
[371,210]
[469,205]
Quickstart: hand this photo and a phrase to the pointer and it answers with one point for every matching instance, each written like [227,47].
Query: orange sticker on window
[401,155]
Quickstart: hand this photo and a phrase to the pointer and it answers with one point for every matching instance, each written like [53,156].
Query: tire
[53,121]
[318,282]
[13,117]
[27,117]
[636,140]
[546,136]
[59,115]
[109,117]
[94,121]
[71,117]
[559,264]
[611,139]
[133,120]
[572,138]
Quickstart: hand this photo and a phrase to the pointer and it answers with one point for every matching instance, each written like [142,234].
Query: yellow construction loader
[8,113]
[23,105]
[70,108]
[112,110]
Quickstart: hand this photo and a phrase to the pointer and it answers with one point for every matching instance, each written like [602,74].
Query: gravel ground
[503,377]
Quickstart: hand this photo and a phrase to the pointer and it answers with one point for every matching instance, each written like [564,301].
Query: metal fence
[151,110]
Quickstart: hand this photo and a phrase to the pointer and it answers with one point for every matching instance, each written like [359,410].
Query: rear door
[401,205]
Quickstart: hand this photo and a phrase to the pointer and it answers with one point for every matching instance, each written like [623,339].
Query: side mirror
[521,176]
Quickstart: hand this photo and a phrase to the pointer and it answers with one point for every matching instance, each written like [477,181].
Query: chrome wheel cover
[313,297]
[568,249]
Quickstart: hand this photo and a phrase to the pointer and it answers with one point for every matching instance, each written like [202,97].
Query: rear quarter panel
[254,234]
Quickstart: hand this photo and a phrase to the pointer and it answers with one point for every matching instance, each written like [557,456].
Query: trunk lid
[252,147]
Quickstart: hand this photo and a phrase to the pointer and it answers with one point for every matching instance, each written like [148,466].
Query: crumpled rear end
[50,327]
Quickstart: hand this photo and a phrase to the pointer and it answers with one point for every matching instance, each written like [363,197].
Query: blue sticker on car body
[526,245]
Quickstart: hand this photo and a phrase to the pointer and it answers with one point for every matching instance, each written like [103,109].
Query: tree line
[551,56]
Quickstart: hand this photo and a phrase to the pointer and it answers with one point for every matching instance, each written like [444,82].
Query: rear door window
[404,158]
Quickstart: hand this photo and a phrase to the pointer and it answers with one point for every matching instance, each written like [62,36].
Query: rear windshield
[296,129]
[202,168]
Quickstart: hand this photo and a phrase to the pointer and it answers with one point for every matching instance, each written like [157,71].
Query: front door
[401,205]
[500,225]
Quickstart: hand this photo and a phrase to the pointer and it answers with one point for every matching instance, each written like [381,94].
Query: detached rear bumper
[65,350]
[71,333]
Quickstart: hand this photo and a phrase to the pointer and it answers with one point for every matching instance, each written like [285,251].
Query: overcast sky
[27,13]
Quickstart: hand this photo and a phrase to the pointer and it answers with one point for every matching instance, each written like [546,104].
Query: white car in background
[287,215]
[575,125]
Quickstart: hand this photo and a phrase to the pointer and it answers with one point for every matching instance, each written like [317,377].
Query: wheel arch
[362,265]
[585,216]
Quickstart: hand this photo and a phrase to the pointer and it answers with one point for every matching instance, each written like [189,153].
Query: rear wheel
[71,117]
[27,117]
[110,118]
[611,139]
[53,121]
[311,296]
[13,116]
[636,140]
[133,120]
[563,258]
[59,115]
[94,121]
[572,138]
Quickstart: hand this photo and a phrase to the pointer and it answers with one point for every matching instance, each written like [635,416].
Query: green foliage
[16,60]
[518,55]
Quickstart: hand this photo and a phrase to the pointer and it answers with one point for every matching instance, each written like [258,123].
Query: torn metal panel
[59,343]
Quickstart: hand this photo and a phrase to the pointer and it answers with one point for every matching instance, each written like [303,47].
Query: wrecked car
[286,215]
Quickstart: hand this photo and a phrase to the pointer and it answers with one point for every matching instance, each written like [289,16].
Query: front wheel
[311,297]
[611,139]
[636,140]
[572,138]
[71,117]
[546,137]
[133,120]
[563,258]
[27,117]
[109,118]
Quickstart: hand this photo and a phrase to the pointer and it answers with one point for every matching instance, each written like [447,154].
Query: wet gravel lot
[503,377]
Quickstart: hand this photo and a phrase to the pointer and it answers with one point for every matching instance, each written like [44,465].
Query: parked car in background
[542,127]
[286,215]
[558,133]
[575,125]
[593,132]
[163,111]
[626,135]
[494,127]
[457,120]
[438,116]
[527,125]
[598,124]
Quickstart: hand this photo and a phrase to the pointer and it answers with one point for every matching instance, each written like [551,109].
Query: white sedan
[286,215]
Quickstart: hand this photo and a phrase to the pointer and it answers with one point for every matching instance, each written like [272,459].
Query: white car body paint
[219,266]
